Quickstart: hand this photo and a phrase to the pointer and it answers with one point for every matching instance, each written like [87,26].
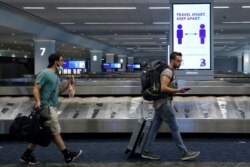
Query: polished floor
[100,151]
[144,164]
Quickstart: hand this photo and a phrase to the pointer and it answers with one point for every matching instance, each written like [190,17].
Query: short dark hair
[52,58]
[174,54]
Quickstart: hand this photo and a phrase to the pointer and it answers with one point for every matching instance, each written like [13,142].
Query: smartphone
[187,89]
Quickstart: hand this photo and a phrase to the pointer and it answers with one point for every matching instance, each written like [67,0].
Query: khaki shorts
[53,123]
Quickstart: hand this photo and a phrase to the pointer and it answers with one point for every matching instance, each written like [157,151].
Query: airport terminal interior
[106,44]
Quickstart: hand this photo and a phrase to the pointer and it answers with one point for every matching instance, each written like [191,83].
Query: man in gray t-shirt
[164,111]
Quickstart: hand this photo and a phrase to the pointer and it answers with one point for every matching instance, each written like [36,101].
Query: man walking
[164,111]
[46,91]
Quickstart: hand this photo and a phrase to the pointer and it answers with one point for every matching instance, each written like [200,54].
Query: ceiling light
[140,43]
[217,42]
[96,8]
[161,23]
[69,23]
[221,7]
[236,22]
[162,38]
[33,7]
[245,6]
[228,37]
[129,48]
[164,42]
[167,7]
[113,23]
[25,56]
[150,48]
[13,55]
[133,38]
[160,50]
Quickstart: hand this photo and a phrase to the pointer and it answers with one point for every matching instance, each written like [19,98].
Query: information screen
[133,66]
[74,64]
[191,35]
[112,65]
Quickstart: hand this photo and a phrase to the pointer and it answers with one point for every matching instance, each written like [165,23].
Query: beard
[177,66]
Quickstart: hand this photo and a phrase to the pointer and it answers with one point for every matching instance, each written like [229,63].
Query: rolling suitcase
[139,136]
[143,136]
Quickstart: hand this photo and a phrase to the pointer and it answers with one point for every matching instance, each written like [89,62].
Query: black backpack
[150,80]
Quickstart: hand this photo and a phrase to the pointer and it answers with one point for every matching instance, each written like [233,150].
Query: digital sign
[74,64]
[133,66]
[112,66]
[192,35]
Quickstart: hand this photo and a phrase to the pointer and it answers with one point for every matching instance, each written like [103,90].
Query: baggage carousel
[113,105]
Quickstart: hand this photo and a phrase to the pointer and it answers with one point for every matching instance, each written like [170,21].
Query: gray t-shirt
[173,84]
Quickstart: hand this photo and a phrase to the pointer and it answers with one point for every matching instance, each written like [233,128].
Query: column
[43,48]
[239,64]
[130,61]
[246,61]
[110,59]
[95,61]
[122,59]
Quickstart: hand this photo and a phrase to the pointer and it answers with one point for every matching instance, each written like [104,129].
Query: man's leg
[156,123]
[169,116]
[56,130]
[27,156]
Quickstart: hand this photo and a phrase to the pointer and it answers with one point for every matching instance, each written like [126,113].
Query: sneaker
[72,156]
[150,155]
[189,155]
[29,159]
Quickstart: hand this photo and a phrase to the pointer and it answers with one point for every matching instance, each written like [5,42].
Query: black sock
[65,152]
[28,151]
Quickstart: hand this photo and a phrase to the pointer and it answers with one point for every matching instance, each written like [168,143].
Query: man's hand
[37,105]
[72,87]
[183,90]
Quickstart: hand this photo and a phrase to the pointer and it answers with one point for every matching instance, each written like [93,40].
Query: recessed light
[236,22]
[113,23]
[34,7]
[221,7]
[69,23]
[159,7]
[127,38]
[96,8]
[245,6]
[161,23]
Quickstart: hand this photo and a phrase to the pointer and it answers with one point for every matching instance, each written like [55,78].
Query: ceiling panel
[142,14]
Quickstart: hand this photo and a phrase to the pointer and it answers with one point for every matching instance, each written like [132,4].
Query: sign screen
[74,64]
[191,35]
[112,65]
[133,66]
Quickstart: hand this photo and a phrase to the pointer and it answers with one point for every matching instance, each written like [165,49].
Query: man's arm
[68,84]
[36,92]
[165,86]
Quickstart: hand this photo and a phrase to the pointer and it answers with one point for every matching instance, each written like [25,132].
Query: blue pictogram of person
[179,33]
[203,62]
[202,34]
